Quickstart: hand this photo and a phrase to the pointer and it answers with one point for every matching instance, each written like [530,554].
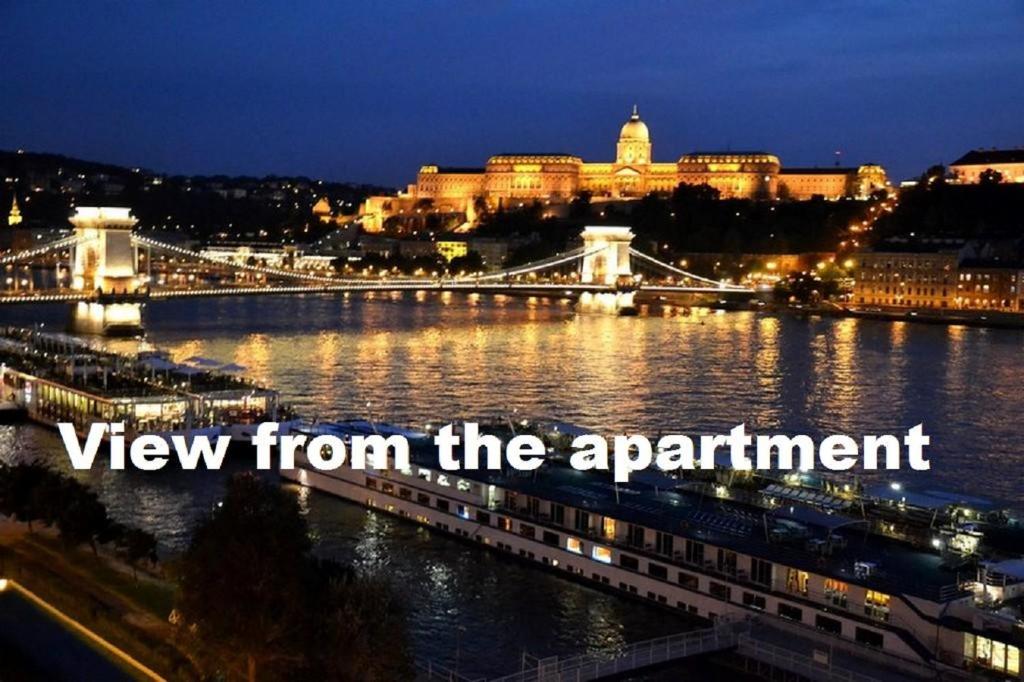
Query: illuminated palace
[511,179]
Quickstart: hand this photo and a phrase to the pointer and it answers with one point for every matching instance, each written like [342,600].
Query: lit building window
[574,545]
[602,554]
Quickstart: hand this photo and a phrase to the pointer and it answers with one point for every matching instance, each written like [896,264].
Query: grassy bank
[100,593]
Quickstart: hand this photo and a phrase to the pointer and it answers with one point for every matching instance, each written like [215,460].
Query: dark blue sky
[368,91]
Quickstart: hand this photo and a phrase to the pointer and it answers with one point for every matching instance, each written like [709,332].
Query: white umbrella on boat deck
[189,372]
[158,364]
[200,361]
[155,365]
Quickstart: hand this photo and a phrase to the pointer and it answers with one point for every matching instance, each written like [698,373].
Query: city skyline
[321,93]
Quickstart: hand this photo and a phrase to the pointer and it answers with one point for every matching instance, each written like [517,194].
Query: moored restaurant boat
[55,378]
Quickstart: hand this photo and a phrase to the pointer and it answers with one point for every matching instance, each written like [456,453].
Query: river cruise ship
[825,573]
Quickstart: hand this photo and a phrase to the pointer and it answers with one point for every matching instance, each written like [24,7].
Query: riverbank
[963,318]
[99,594]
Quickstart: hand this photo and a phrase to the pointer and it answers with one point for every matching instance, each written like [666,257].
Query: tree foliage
[251,588]
[32,493]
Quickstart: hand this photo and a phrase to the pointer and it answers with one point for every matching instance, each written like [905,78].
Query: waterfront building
[267,255]
[1009,163]
[941,274]
[511,180]
[451,248]
[907,279]
[987,285]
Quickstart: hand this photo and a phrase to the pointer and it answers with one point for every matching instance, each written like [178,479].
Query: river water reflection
[419,358]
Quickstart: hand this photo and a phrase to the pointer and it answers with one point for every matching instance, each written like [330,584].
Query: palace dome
[635,129]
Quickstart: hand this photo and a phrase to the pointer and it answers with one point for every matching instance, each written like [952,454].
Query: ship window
[791,612]
[609,528]
[657,570]
[754,601]
[727,561]
[869,637]
[830,625]
[574,545]
[876,605]
[836,592]
[635,535]
[371,483]
[423,499]
[720,591]
[796,581]
[694,552]
[602,554]
[761,572]
[463,511]
[442,505]
[629,562]
[405,493]
[527,531]
[582,522]
[689,581]
[550,538]
[484,518]
[989,653]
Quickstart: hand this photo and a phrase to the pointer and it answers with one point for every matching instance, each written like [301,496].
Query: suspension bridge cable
[684,273]
[41,250]
[554,261]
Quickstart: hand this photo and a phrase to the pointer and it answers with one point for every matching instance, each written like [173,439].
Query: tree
[362,612]
[990,176]
[82,517]
[239,576]
[137,545]
[935,175]
[19,498]
[252,590]
[471,262]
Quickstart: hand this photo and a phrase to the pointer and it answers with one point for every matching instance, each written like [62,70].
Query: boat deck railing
[636,656]
[780,658]
[428,671]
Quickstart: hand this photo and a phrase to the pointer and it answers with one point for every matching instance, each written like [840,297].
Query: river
[421,358]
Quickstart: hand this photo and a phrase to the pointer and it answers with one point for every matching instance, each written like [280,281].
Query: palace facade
[970,168]
[507,180]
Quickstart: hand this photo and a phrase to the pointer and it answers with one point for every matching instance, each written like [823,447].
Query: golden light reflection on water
[426,356]
[417,358]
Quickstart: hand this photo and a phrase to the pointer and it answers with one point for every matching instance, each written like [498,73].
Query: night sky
[370,91]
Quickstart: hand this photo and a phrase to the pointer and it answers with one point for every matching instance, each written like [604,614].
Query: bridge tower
[606,261]
[105,268]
